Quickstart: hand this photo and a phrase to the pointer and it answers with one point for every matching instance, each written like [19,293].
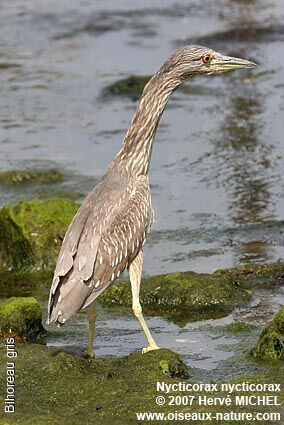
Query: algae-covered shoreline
[53,386]
[180,297]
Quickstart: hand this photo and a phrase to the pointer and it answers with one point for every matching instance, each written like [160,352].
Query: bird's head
[192,60]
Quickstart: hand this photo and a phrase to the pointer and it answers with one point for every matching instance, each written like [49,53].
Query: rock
[270,345]
[131,86]
[189,296]
[57,387]
[173,367]
[31,233]
[158,363]
[13,177]
[180,294]
[21,317]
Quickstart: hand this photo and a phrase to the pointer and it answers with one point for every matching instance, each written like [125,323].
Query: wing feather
[110,236]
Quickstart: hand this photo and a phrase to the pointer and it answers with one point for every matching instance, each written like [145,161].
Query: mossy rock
[21,317]
[131,87]
[17,177]
[270,345]
[175,291]
[189,296]
[160,362]
[57,385]
[31,233]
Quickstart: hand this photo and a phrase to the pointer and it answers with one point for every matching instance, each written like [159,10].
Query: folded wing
[103,239]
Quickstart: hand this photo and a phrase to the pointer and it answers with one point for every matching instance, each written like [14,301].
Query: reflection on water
[250,252]
[245,157]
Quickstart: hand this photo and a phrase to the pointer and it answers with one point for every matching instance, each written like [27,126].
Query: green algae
[180,297]
[187,296]
[175,290]
[173,367]
[17,177]
[31,233]
[255,276]
[270,345]
[21,317]
[53,387]
[59,385]
[237,327]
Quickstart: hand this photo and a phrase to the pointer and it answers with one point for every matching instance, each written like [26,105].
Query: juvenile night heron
[107,233]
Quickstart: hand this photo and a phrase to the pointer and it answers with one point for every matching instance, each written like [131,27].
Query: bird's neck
[135,154]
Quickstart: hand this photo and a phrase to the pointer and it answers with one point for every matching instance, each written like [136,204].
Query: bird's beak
[227,63]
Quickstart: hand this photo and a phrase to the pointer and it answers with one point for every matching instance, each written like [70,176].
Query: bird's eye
[207,58]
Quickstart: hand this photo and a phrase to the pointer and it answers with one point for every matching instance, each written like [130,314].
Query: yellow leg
[92,318]
[135,271]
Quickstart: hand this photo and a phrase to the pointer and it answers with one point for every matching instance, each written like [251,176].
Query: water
[217,166]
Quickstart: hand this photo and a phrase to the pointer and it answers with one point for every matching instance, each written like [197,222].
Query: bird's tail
[69,297]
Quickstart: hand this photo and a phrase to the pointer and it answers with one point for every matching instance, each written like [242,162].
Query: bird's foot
[90,354]
[150,348]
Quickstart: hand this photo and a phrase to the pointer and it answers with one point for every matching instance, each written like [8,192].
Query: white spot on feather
[91,283]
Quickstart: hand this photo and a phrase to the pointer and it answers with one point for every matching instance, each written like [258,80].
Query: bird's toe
[150,348]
